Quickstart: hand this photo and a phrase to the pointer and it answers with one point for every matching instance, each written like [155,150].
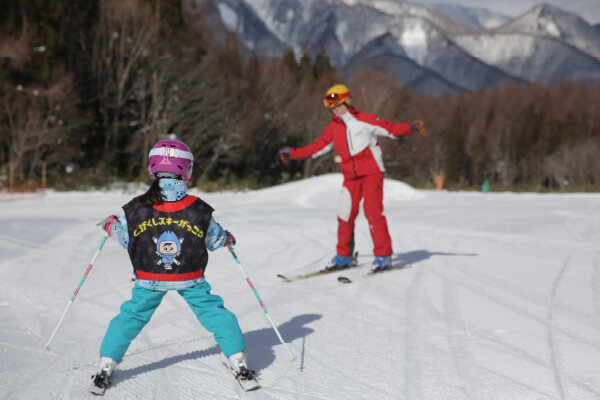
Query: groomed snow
[499,299]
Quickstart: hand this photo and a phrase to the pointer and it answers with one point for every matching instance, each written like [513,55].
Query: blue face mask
[173,189]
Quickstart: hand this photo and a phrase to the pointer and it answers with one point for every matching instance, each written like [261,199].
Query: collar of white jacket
[346,117]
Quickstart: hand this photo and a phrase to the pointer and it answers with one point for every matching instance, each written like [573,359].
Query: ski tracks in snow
[459,342]
[504,295]
[414,346]
[552,340]
[435,366]
[596,289]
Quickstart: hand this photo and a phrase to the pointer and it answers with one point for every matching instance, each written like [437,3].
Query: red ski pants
[369,188]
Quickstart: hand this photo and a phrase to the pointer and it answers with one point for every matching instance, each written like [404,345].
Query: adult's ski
[377,271]
[323,271]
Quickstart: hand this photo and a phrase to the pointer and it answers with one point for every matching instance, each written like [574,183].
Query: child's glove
[418,126]
[230,242]
[107,223]
[285,154]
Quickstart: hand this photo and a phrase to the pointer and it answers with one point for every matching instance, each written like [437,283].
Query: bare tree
[124,43]
[38,124]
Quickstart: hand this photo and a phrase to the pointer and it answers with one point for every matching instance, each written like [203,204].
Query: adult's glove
[230,242]
[418,126]
[285,154]
[107,223]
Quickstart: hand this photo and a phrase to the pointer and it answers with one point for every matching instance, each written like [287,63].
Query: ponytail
[152,196]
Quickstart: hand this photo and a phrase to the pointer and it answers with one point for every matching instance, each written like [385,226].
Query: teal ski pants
[136,313]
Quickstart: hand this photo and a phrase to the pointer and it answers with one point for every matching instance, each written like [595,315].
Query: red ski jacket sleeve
[336,132]
[395,129]
[318,145]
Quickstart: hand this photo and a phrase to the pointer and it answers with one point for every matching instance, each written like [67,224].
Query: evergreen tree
[170,18]
[230,58]
[322,65]
[455,153]
[289,60]
[305,66]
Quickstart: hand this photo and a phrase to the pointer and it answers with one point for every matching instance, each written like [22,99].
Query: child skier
[354,133]
[167,234]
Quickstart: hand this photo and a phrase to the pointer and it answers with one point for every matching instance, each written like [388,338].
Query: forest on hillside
[87,86]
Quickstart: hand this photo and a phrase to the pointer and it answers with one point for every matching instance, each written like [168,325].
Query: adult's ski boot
[340,262]
[381,263]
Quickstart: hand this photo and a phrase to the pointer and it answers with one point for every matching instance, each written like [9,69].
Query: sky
[587,9]
[497,296]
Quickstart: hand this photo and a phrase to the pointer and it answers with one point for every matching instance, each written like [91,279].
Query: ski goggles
[333,99]
[171,152]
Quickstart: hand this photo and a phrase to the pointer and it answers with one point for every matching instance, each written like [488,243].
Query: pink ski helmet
[171,156]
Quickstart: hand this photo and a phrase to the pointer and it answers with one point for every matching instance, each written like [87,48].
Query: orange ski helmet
[337,94]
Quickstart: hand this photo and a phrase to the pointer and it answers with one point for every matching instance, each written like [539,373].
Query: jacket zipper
[348,141]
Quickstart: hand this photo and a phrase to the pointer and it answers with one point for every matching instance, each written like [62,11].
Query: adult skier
[167,234]
[354,133]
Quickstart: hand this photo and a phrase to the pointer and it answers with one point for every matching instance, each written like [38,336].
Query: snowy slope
[499,299]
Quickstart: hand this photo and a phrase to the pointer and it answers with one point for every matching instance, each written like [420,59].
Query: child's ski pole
[262,304]
[87,271]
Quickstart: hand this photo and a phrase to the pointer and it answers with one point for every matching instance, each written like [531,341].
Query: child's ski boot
[101,380]
[241,372]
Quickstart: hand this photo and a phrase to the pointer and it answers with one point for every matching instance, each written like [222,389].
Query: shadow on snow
[400,260]
[259,343]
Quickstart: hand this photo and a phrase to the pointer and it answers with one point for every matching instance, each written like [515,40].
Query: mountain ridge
[446,54]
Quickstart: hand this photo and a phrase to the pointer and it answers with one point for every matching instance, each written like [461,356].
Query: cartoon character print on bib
[168,247]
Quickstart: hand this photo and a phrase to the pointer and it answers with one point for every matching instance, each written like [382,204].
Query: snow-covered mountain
[434,49]
[400,9]
[432,63]
[474,18]
[541,59]
[549,21]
